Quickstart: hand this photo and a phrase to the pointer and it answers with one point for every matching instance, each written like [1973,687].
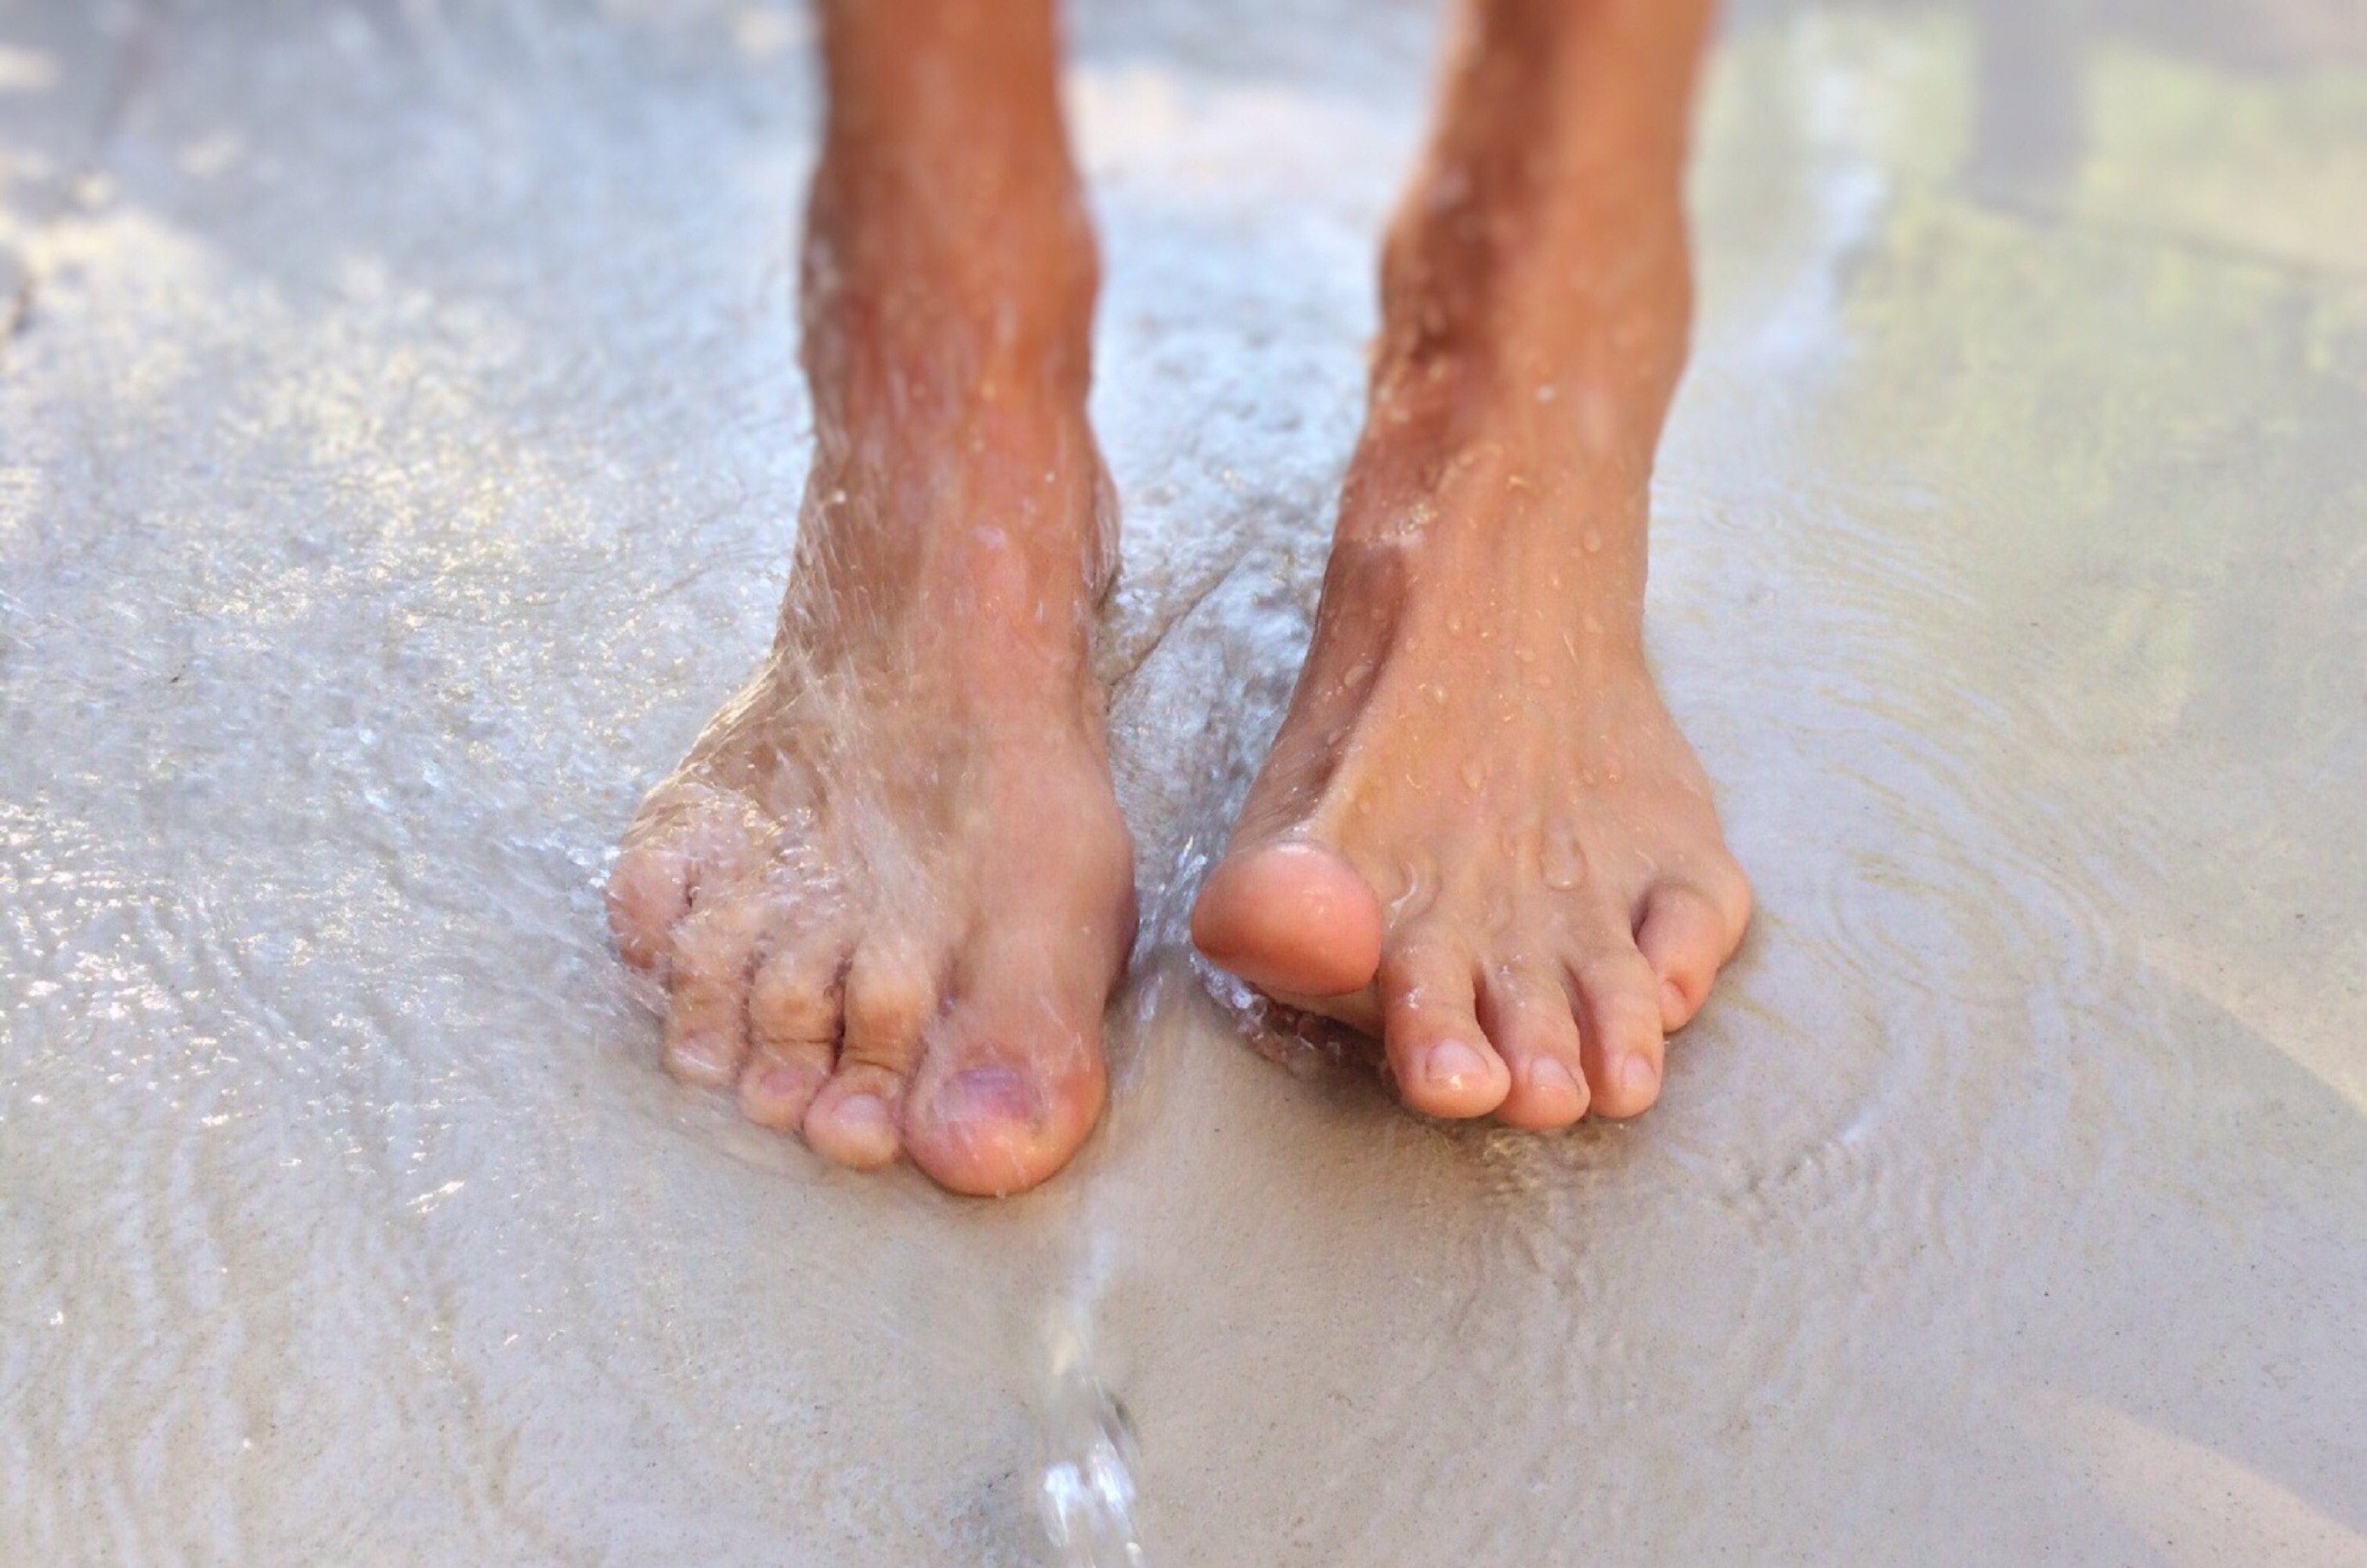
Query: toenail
[862,1113]
[784,1080]
[985,1094]
[1452,1062]
[702,1053]
[1638,1076]
[1547,1076]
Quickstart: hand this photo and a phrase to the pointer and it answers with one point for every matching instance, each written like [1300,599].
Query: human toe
[793,1027]
[649,890]
[852,1120]
[1685,936]
[1441,1060]
[708,974]
[1527,1017]
[890,995]
[1007,1097]
[1622,1043]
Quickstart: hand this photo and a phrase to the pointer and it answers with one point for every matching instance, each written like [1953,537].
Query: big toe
[1290,918]
[1012,1104]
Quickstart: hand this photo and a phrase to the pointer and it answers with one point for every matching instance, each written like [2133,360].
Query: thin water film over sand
[398,453]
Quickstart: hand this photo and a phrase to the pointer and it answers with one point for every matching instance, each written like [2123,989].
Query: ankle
[930,308]
[1500,503]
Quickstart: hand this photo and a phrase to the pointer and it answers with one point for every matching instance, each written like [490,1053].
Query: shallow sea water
[399,447]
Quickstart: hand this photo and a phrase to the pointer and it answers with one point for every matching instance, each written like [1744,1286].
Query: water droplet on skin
[1563,865]
[1474,776]
[1546,393]
[1594,542]
[1435,692]
[1455,624]
[1593,627]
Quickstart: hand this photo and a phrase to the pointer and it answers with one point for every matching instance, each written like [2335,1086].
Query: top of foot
[1480,836]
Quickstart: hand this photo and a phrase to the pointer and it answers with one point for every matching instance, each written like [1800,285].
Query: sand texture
[399,452]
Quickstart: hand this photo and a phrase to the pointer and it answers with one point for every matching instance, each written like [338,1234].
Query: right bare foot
[889,890]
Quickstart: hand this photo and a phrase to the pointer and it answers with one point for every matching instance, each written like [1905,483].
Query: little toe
[706,1023]
[1430,1029]
[792,1026]
[1619,1032]
[1684,936]
[1527,1018]
[1005,1101]
[1293,918]
[649,890]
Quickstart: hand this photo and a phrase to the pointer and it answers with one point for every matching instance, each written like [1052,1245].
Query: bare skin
[888,892]
[1480,836]
[889,889]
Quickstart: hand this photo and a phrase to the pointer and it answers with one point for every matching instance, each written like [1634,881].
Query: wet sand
[398,449]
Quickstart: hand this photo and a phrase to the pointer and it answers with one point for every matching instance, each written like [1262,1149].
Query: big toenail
[1452,1062]
[1547,1076]
[983,1094]
[1639,1076]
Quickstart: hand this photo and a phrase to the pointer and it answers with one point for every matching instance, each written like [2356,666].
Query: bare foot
[889,890]
[1480,836]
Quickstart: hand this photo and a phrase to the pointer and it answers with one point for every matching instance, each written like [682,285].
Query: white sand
[396,466]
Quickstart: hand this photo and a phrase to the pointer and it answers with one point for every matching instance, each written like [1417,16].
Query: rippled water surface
[398,452]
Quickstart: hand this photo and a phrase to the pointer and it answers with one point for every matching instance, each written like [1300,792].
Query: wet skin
[1479,835]
[890,891]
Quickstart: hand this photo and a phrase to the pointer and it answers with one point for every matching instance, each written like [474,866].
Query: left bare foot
[1479,835]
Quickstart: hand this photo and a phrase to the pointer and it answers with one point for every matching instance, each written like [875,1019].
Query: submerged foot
[1480,836]
[889,890]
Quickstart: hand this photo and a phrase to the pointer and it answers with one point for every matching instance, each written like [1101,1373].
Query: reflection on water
[396,455]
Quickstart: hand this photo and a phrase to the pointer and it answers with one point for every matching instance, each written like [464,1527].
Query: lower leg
[1478,834]
[889,890]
